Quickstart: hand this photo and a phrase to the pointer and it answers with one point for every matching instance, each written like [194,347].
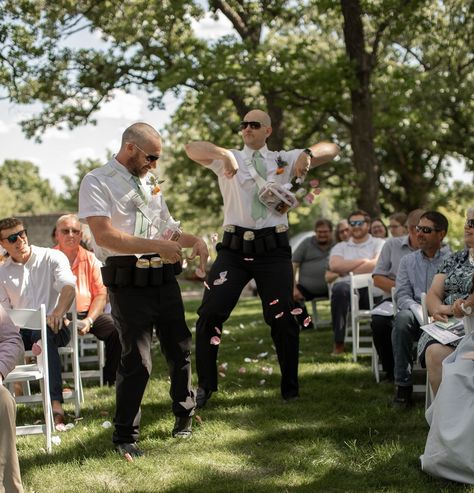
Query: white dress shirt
[39,280]
[104,193]
[238,192]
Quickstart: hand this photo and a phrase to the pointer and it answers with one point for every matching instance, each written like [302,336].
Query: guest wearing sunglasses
[91,294]
[358,255]
[449,295]
[414,277]
[255,245]
[134,234]
[32,276]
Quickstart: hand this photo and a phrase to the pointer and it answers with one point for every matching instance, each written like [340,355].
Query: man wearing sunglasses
[358,255]
[32,276]
[414,277]
[255,245]
[91,294]
[129,219]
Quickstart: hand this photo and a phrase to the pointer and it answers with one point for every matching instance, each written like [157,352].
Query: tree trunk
[362,131]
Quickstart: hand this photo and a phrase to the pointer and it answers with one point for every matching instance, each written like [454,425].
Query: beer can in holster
[229,231]
[142,268]
[156,270]
[249,237]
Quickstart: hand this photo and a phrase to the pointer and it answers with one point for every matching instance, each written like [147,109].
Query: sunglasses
[68,231]
[470,223]
[359,222]
[149,157]
[425,229]
[253,125]
[13,237]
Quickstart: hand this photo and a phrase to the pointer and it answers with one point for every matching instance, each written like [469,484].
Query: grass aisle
[340,436]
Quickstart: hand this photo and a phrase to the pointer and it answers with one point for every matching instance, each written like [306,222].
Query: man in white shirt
[358,255]
[29,277]
[255,245]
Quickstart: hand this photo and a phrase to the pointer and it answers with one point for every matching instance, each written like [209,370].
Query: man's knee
[7,403]
[403,321]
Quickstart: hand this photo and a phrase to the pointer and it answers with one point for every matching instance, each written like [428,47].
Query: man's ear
[268,131]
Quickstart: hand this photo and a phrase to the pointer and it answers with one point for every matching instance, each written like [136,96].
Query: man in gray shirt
[414,277]
[310,262]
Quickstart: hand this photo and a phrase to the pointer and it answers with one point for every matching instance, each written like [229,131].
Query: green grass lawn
[340,436]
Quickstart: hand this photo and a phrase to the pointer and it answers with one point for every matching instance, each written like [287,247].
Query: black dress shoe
[129,448]
[403,397]
[182,427]
[202,396]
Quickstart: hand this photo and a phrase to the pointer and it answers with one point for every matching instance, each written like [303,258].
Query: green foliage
[25,190]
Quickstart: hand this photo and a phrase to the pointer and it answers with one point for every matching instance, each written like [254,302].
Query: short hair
[65,217]
[400,217]
[139,134]
[10,222]
[323,222]
[360,212]
[414,217]
[381,222]
[439,220]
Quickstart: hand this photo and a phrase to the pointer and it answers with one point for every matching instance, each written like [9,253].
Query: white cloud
[210,29]
[56,133]
[122,106]
[4,128]
[83,153]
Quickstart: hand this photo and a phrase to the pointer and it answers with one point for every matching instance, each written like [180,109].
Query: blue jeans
[54,341]
[406,330]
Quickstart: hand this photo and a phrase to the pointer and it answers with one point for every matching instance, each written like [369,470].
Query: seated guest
[378,228]
[91,294]
[11,350]
[397,224]
[384,276]
[309,265]
[32,276]
[414,277]
[358,255]
[452,284]
[342,231]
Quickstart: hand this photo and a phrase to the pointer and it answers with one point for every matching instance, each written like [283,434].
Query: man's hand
[170,251]
[457,311]
[230,165]
[200,250]
[297,296]
[302,165]
[55,321]
[83,326]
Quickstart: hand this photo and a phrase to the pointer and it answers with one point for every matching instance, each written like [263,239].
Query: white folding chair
[358,317]
[426,388]
[34,320]
[315,314]
[92,351]
[375,363]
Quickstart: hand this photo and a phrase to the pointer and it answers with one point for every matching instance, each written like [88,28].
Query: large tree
[390,81]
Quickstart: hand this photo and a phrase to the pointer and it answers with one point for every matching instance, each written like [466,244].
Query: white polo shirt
[39,280]
[349,250]
[238,192]
[103,192]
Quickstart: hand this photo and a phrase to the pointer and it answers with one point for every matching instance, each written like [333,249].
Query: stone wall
[40,227]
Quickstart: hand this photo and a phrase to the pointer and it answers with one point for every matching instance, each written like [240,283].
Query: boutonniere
[280,165]
[154,183]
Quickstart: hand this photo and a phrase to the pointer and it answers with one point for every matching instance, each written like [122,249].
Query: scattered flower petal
[307,321]
[262,381]
[215,341]
[242,326]
[56,440]
[226,332]
[279,315]
[60,427]
[242,370]
[198,419]
[218,330]
[206,285]
[268,370]
[260,341]
[274,302]
[222,374]
[247,360]
[69,426]
[184,264]
[223,366]
[248,259]
[219,282]
[106,424]
[128,457]
[262,355]
[297,311]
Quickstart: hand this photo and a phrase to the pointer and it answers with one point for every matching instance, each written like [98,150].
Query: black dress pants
[135,311]
[273,274]
[382,334]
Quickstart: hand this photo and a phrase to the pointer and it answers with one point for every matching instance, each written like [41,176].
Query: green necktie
[141,223]
[258,209]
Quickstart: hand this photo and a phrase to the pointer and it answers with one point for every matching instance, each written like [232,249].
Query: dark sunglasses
[253,125]
[149,157]
[470,223]
[13,237]
[425,229]
[359,222]
[67,231]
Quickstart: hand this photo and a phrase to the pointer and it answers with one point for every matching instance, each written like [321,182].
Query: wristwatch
[467,310]
[91,322]
[309,152]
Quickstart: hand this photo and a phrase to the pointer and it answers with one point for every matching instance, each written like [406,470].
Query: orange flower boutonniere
[154,183]
[280,165]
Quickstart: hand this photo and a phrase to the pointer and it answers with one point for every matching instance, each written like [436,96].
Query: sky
[56,155]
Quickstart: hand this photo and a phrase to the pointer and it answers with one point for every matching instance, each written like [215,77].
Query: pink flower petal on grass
[307,321]
[215,341]
[274,302]
[279,315]
[222,374]
[296,311]
[242,370]
[314,183]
